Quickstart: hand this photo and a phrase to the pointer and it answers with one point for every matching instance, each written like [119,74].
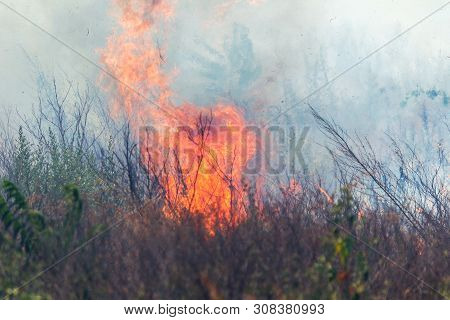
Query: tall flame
[199,157]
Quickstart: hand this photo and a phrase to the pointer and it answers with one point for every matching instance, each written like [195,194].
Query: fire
[200,165]
[135,61]
[325,193]
[197,154]
[292,188]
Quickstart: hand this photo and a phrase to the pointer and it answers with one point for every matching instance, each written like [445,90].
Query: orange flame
[200,168]
[325,193]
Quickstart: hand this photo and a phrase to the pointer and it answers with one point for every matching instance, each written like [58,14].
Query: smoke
[263,56]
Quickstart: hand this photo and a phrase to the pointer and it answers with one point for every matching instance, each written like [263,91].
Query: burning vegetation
[162,202]
[196,153]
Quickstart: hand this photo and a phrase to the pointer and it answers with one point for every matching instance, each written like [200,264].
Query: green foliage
[28,243]
[42,168]
[341,272]
[21,222]
[23,161]
[73,215]
[22,232]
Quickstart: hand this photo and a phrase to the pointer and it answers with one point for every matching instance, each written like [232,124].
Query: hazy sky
[287,49]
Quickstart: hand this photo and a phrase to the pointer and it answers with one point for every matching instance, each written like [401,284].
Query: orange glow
[292,188]
[327,196]
[200,168]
